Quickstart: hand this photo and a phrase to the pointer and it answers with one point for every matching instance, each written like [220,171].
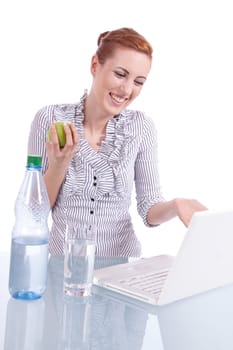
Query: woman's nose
[127,87]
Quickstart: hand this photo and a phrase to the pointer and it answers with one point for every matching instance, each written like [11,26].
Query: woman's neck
[94,118]
[94,124]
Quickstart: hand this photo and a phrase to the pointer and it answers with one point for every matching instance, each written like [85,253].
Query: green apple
[60,133]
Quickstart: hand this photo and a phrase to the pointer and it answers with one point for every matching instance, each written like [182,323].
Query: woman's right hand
[59,160]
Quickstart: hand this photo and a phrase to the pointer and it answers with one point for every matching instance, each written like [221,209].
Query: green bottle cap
[34,160]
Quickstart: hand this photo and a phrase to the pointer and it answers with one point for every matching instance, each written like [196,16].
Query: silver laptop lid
[205,258]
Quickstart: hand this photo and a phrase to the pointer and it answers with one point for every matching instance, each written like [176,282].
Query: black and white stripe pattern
[98,185]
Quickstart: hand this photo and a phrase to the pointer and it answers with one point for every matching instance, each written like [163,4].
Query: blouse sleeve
[38,136]
[147,183]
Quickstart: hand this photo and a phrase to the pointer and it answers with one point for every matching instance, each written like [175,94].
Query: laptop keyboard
[149,282]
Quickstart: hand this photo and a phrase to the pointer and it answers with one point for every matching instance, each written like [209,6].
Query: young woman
[108,149]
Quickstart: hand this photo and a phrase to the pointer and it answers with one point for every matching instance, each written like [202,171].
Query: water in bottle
[30,235]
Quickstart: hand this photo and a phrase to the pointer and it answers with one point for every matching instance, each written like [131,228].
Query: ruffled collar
[114,150]
[114,147]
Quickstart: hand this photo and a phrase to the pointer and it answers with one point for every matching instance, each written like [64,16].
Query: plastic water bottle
[30,235]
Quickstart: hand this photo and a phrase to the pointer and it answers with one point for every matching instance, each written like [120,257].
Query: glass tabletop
[107,320]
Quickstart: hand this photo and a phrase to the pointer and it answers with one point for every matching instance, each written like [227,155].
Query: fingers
[197,206]
[74,134]
[52,136]
[187,207]
[68,136]
[71,135]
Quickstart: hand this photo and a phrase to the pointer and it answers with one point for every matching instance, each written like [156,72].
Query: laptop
[203,262]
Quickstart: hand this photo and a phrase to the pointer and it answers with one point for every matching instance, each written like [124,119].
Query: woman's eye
[119,74]
[139,82]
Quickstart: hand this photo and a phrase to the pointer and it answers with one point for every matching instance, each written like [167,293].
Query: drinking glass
[80,244]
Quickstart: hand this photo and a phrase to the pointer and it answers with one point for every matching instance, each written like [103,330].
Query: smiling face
[118,81]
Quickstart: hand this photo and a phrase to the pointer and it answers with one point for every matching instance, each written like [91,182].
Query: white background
[46,47]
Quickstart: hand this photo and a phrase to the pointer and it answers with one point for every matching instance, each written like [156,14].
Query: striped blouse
[98,186]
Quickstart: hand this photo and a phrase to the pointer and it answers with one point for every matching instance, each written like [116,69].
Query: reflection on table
[24,324]
[199,323]
[110,321]
[60,322]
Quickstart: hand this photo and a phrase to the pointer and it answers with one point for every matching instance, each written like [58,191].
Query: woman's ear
[94,63]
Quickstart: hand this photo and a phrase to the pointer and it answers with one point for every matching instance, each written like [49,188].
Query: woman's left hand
[186,208]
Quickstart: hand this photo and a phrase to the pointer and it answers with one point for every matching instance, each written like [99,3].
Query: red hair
[125,37]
